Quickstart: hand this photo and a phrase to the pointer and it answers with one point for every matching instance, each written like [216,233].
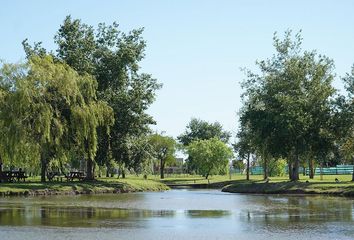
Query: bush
[277,167]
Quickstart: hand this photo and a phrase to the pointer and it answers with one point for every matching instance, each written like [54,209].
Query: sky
[194,48]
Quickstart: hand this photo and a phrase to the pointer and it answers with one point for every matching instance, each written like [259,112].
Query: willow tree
[14,150]
[113,57]
[57,110]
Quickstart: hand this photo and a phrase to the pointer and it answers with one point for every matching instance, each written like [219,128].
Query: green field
[102,185]
[276,185]
[234,183]
[191,179]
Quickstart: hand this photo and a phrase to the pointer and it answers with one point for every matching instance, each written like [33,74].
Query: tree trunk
[353,170]
[162,168]
[0,164]
[290,169]
[89,170]
[248,167]
[123,173]
[265,168]
[295,169]
[311,169]
[43,168]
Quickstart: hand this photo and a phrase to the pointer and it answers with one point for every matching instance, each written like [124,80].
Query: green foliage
[53,109]
[277,167]
[210,156]
[164,149]
[244,146]
[288,104]
[238,164]
[201,130]
[112,57]
[344,117]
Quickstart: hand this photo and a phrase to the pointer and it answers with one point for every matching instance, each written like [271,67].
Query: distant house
[177,168]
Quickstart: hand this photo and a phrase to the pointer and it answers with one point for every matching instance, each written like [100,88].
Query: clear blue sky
[195,48]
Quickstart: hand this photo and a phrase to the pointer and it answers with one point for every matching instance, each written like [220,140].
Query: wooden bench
[75,175]
[52,175]
[20,175]
[11,176]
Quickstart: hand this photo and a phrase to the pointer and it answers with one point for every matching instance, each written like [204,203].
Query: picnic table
[11,176]
[75,175]
[52,175]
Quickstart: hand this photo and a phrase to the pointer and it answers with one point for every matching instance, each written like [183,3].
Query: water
[176,214]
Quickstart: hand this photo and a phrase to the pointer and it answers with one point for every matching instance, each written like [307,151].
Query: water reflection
[76,217]
[196,213]
[207,213]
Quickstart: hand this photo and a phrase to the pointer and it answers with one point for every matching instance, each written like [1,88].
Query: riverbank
[100,186]
[195,181]
[285,187]
[277,185]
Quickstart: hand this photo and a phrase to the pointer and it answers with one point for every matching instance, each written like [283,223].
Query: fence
[337,170]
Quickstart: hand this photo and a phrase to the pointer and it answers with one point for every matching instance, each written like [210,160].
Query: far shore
[345,189]
[276,185]
[101,186]
[227,183]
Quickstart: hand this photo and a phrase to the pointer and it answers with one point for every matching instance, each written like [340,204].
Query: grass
[276,185]
[236,183]
[101,185]
[191,179]
[281,185]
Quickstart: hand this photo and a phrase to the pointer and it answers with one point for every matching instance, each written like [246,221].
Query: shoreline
[76,188]
[344,189]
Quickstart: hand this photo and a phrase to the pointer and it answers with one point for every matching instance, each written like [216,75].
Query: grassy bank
[101,185]
[282,186]
[276,185]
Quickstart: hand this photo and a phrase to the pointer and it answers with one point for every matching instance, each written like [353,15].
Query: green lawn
[102,185]
[191,179]
[276,185]
[281,185]
[133,183]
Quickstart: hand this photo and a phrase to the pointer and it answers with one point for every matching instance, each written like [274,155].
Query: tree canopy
[112,57]
[210,156]
[201,130]
[289,103]
[164,149]
[55,109]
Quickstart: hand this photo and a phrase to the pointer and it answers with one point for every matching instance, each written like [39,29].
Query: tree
[202,130]
[12,144]
[112,57]
[164,149]
[289,103]
[344,119]
[56,110]
[210,156]
[244,147]
[238,164]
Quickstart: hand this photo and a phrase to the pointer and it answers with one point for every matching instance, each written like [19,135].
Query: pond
[176,214]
